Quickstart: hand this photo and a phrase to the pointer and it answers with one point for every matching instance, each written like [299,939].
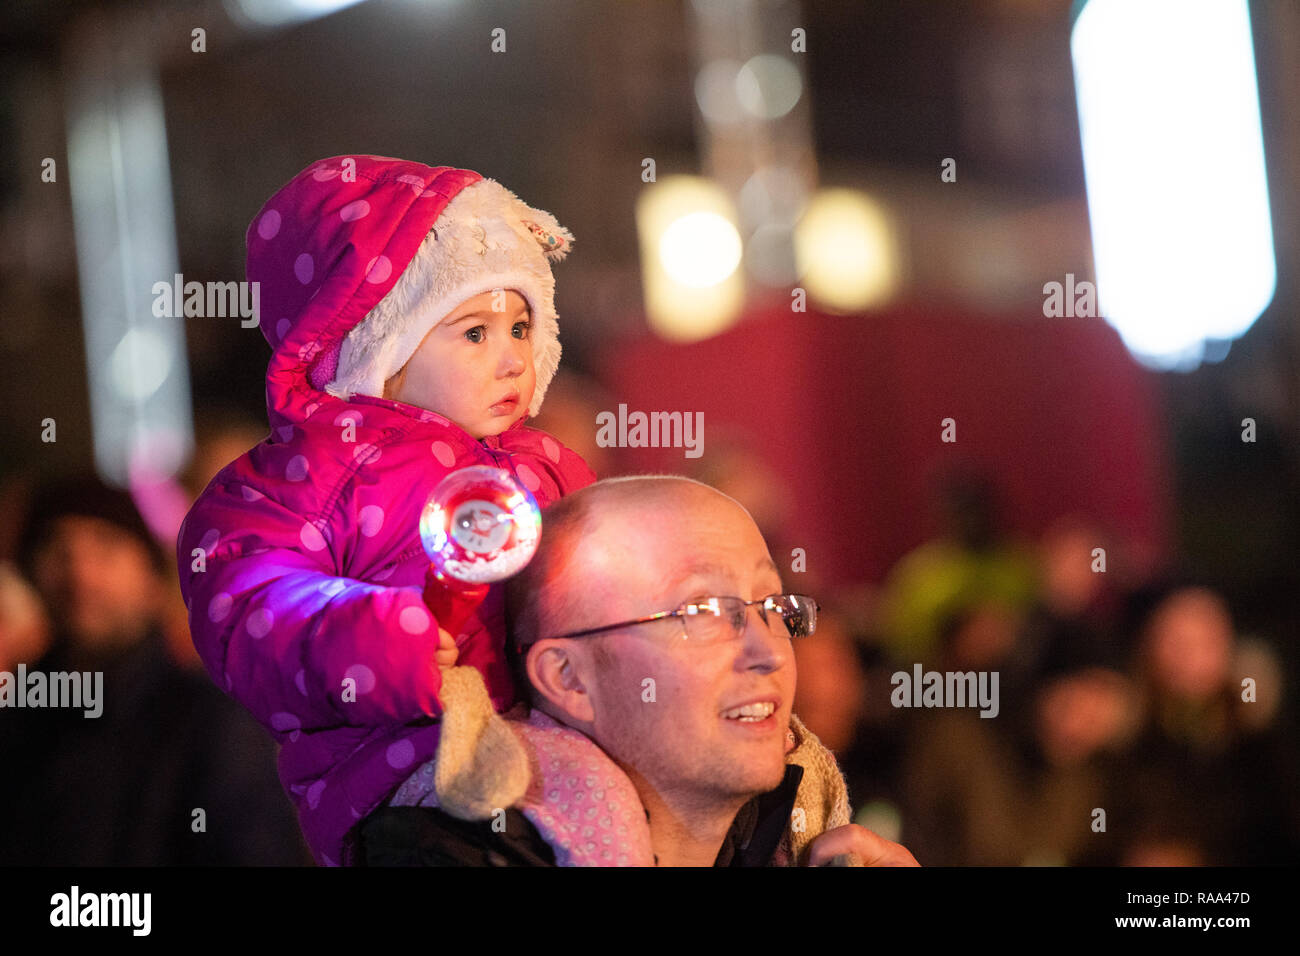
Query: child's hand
[447,652]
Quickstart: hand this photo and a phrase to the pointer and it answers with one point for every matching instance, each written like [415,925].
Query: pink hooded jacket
[301,562]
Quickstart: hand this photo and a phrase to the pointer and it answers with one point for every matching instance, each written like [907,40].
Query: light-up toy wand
[479,526]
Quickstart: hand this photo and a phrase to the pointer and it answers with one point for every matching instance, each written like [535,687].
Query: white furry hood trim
[485,239]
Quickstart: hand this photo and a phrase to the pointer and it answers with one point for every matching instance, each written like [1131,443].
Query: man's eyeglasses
[721,618]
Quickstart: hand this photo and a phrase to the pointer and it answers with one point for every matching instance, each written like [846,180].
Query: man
[694,711]
[152,765]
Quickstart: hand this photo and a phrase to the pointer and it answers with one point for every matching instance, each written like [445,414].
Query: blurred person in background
[1084,718]
[24,627]
[961,786]
[738,470]
[1072,617]
[968,564]
[126,787]
[844,700]
[829,698]
[572,403]
[221,434]
[1019,788]
[1211,779]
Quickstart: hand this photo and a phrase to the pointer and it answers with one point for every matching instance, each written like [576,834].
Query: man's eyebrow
[710,569]
[701,569]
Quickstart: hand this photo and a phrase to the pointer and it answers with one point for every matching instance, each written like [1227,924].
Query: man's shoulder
[427,836]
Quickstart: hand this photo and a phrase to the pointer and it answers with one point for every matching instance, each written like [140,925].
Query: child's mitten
[482,766]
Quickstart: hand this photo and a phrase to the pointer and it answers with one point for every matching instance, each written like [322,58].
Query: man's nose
[765,641]
[79,571]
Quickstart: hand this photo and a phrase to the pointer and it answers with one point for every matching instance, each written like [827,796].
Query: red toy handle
[452,606]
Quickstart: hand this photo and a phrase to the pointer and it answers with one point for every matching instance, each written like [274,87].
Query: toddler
[410,311]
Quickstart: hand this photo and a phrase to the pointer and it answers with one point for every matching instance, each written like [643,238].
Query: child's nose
[513,361]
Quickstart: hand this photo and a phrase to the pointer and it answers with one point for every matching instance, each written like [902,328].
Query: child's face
[475,367]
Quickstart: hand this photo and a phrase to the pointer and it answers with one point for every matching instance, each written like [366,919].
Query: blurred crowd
[170,771]
[1136,726]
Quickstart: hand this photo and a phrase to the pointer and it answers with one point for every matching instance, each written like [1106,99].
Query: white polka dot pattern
[269,224]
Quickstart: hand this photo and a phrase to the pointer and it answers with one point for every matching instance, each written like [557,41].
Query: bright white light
[272,13]
[139,365]
[846,251]
[768,86]
[690,257]
[1174,159]
[715,91]
[700,250]
[126,241]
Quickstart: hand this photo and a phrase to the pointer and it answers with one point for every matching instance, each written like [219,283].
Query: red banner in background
[847,413]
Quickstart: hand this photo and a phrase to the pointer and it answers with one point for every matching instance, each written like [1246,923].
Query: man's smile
[757,713]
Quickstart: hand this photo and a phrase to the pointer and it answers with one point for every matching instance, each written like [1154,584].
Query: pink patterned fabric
[301,562]
[582,803]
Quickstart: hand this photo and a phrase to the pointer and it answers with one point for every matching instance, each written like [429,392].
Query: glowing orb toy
[479,525]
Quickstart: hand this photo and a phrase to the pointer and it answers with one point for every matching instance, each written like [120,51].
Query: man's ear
[558,671]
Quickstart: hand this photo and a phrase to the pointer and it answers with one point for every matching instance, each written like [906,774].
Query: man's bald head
[580,534]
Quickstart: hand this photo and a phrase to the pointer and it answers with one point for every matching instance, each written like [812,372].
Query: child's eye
[476,334]
[525,327]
